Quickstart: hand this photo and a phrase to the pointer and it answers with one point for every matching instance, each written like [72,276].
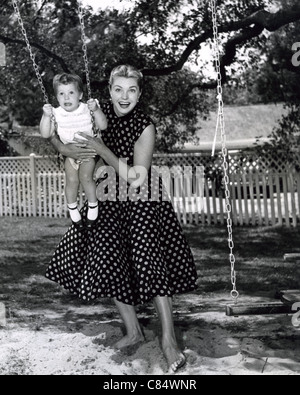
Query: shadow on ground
[51,332]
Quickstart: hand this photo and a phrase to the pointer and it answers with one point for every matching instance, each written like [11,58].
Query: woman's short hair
[65,79]
[127,71]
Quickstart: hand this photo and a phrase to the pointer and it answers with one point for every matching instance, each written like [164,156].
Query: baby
[72,116]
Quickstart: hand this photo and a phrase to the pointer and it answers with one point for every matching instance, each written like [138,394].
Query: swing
[221,126]
[220,119]
[231,309]
[36,67]
[289,297]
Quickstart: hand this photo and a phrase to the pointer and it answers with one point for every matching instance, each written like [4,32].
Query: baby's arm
[100,118]
[46,124]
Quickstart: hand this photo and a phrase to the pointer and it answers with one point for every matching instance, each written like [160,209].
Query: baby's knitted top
[71,123]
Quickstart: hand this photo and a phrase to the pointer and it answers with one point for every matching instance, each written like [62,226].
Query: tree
[174,32]
[5,149]
[278,81]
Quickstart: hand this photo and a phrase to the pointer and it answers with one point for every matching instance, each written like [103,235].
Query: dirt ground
[49,332]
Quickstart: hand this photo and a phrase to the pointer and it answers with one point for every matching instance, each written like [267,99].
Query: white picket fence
[34,186]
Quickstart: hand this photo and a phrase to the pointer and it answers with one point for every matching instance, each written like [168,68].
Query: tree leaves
[164,38]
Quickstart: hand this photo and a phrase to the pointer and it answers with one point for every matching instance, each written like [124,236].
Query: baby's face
[69,97]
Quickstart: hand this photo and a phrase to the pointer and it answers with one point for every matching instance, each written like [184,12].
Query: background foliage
[169,40]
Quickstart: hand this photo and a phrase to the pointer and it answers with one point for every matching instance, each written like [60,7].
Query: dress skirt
[135,252]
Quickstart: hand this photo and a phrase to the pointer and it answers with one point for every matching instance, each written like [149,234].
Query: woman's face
[125,94]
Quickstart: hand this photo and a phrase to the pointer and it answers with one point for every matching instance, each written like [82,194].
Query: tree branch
[251,27]
[44,50]
[228,58]
[261,20]
[42,6]
[267,20]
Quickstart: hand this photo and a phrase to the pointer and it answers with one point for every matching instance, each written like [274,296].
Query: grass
[40,311]
[259,259]
[27,245]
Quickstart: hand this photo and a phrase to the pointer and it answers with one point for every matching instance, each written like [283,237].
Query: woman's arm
[143,152]
[143,155]
[78,151]
[100,119]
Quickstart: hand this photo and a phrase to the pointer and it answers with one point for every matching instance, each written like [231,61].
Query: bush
[286,137]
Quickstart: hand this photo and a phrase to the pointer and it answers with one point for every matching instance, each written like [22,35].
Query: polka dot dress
[137,249]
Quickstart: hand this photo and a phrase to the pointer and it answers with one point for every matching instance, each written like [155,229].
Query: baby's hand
[92,105]
[48,110]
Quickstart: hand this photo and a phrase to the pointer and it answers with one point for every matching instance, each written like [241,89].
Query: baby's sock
[93,211]
[74,212]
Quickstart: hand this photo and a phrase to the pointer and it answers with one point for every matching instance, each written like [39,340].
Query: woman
[136,252]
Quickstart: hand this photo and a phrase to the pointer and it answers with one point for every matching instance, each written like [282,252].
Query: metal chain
[32,57]
[86,63]
[35,66]
[221,125]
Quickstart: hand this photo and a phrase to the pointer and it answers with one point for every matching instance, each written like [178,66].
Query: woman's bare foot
[128,341]
[134,332]
[175,358]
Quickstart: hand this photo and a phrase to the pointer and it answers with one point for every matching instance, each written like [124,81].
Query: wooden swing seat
[290,297]
[295,257]
[257,309]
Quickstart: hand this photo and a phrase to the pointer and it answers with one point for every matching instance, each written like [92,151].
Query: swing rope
[86,62]
[221,126]
[220,119]
[36,67]
[32,57]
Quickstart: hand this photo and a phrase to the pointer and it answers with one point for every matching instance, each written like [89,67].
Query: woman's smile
[124,105]
[125,94]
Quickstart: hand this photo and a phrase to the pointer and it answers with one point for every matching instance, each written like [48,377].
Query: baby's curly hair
[65,79]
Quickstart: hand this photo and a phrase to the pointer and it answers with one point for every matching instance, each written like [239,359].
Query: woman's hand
[78,151]
[94,144]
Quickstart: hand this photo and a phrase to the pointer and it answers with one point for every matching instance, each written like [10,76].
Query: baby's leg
[86,175]
[71,190]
